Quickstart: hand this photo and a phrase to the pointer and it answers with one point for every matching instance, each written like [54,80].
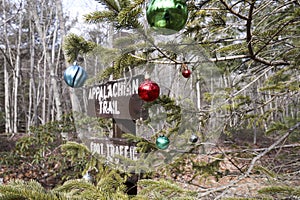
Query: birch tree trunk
[49,60]
[32,108]
[17,73]
[53,72]
[74,99]
[7,61]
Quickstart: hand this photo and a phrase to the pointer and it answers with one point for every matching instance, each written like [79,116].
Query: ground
[282,164]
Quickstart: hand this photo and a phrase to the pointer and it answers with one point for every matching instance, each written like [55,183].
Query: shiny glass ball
[194,138]
[167,16]
[148,90]
[75,76]
[186,73]
[162,142]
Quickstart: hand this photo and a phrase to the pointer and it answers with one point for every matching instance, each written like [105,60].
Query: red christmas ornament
[148,90]
[186,73]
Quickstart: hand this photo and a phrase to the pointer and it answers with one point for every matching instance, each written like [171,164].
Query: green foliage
[172,110]
[81,189]
[122,63]
[163,189]
[124,14]
[108,182]
[108,188]
[254,98]
[21,190]
[241,198]
[81,158]
[42,139]
[283,80]
[75,45]
[281,192]
[143,145]
[128,16]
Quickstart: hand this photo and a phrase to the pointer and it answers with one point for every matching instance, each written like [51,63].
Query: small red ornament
[148,90]
[186,73]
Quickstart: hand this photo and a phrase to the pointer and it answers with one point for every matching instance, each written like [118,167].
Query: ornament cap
[147,76]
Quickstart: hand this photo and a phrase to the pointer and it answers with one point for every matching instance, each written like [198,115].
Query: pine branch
[121,64]
[100,16]
[124,14]
[128,16]
[165,188]
[75,45]
[20,189]
[111,4]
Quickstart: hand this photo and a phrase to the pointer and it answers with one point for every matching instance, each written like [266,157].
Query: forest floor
[279,167]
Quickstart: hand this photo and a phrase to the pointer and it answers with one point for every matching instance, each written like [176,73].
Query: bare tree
[74,99]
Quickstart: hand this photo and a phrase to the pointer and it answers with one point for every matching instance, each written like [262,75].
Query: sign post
[117,100]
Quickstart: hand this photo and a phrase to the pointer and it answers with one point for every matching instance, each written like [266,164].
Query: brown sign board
[111,148]
[117,99]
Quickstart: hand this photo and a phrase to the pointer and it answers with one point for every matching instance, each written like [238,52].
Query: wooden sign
[113,147]
[117,99]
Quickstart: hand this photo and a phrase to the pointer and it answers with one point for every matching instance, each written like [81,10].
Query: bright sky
[78,8]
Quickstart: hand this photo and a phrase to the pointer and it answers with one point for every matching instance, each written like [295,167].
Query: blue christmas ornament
[162,142]
[75,76]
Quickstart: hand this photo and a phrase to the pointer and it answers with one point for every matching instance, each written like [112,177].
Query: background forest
[254,44]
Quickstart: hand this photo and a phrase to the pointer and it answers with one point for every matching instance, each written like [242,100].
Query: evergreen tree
[255,48]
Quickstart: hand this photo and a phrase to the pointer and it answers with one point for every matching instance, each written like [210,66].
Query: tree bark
[7,62]
[74,99]
[49,61]
[17,74]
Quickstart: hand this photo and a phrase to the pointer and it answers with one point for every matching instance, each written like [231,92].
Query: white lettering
[109,91]
[104,92]
[101,96]
[115,89]
[112,150]
[104,107]
[135,86]
[126,148]
[121,148]
[115,108]
[120,89]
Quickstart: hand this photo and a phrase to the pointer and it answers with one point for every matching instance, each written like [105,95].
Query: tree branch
[230,9]
[249,38]
[248,31]
[251,165]
[274,35]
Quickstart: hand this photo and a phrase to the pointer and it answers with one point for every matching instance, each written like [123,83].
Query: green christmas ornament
[162,142]
[167,16]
